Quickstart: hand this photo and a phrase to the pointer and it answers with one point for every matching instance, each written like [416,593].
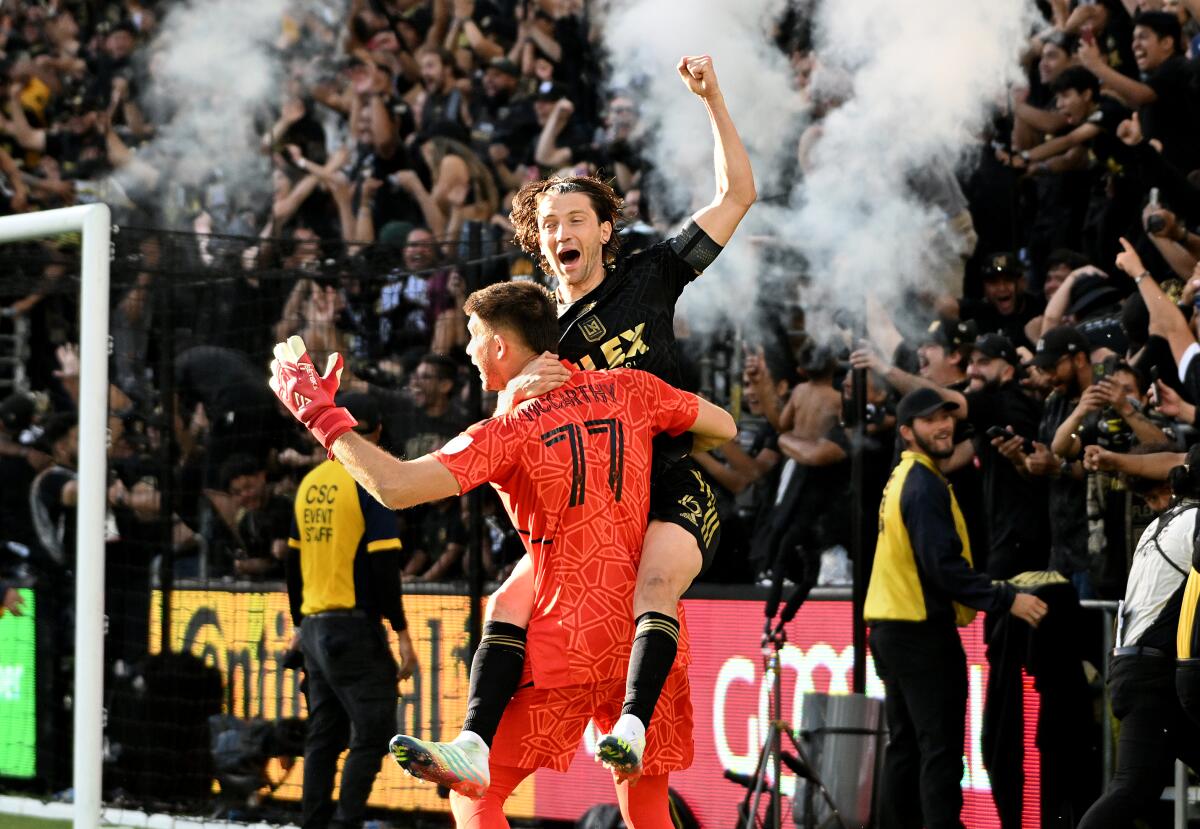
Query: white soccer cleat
[621,750]
[460,765]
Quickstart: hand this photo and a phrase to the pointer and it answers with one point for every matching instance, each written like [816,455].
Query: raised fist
[698,75]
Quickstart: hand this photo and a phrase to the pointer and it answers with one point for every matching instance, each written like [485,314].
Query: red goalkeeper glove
[310,396]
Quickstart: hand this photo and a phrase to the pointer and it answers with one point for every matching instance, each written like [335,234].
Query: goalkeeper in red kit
[573,470]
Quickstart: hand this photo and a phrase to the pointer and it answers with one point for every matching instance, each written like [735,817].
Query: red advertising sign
[730,700]
[244,635]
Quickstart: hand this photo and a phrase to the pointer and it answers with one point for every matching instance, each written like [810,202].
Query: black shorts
[680,495]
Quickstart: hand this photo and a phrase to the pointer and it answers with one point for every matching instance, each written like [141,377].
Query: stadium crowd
[403,130]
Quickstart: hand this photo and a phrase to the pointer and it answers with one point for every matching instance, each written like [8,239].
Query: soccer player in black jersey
[619,312]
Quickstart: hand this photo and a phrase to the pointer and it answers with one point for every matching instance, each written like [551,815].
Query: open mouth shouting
[569,257]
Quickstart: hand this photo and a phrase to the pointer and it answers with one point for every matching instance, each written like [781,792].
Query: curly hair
[605,203]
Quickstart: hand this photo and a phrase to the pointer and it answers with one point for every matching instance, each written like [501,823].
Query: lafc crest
[592,329]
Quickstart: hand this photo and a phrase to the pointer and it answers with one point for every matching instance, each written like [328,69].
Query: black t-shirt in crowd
[968,489]
[755,435]
[437,527]
[1116,41]
[242,412]
[504,120]
[259,528]
[409,431]
[1173,117]
[1015,507]
[989,320]
[1109,151]
[309,136]
[1191,380]
[222,379]
[573,136]
[392,203]
[80,155]
[1067,498]
[16,524]
[54,522]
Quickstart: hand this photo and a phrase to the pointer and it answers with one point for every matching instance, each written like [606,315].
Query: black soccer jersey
[628,321]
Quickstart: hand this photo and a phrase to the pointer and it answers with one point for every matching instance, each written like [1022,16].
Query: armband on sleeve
[695,247]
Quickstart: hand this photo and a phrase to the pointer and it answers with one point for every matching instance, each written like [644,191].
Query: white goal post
[93,222]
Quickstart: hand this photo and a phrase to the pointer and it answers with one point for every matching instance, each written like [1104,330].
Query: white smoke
[214,66]
[920,80]
[645,40]
[924,81]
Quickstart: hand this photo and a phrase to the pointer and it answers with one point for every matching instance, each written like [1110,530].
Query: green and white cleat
[461,765]
[621,751]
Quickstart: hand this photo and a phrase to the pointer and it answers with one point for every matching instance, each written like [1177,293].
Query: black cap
[1003,264]
[1092,293]
[1058,343]
[364,408]
[504,65]
[16,412]
[950,333]
[997,347]
[921,403]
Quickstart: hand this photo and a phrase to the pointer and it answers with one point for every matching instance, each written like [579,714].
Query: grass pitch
[26,822]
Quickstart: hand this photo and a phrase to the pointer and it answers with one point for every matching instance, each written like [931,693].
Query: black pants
[924,673]
[1154,731]
[1187,685]
[351,702]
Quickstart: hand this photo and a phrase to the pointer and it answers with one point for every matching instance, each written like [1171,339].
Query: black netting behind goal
[204,702]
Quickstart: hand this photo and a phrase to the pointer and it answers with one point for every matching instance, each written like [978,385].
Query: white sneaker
[460,765]
[621,750]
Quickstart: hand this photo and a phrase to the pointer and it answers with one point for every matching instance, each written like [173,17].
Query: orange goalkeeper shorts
[541,727]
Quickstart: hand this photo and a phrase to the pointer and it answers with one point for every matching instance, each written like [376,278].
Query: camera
[875,415]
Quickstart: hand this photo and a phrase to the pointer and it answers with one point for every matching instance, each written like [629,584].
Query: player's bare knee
[669,547]
[658,590]
[508,606]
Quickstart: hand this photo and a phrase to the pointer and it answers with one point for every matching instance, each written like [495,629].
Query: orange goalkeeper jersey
[573,470]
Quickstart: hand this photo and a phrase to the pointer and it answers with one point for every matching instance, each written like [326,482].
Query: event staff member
[921,586]
[1141,678]
[573,470]
[343,575]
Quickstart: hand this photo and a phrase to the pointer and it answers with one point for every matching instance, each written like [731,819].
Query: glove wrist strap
[330,425]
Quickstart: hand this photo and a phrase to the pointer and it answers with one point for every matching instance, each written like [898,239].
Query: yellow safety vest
[895,592]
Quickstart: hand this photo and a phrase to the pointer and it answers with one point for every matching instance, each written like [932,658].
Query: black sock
[654,646]
[495,675]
